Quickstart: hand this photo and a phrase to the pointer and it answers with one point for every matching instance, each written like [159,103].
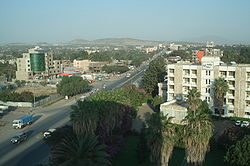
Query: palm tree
[80,150]
[220,87]
[160,136]
[197,131]
[193,100]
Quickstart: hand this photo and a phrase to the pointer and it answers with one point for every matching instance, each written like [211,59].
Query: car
[244,124]
[48,133]
[18,138]
[238,123]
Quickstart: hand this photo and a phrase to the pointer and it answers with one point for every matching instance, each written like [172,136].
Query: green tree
[220,87]
[153,75]
[198,129]
[239,154]
[193,100]
[70,86]
[161,136]
[80,150]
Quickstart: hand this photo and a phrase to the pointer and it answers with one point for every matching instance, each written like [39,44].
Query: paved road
[34,150]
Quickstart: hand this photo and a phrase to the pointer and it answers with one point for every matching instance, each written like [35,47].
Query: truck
[23,121]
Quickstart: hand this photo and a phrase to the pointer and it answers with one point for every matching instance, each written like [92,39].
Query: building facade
[181,77]
[36,63]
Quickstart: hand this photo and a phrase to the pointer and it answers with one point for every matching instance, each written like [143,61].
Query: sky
[164,20]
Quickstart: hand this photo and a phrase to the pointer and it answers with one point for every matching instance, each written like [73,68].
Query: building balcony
[230,77]
[247,108]
[171,90]
[247,97]
[231,87]
[170,82]
[171,74]
[230,106]
[248,78]
[248,88]
[230,96]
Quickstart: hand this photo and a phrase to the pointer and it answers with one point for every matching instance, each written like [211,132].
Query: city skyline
[61,21]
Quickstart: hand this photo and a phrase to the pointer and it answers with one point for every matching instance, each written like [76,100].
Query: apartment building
[181,77]
[37,63]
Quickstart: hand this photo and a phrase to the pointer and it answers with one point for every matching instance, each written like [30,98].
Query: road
[34,149]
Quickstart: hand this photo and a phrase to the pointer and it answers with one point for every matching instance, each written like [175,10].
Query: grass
[128,157]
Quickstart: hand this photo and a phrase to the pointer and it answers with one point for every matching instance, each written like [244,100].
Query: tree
[198,129]
[220,87]
[160,136]
[153,75]
[80,150]
[193,100]
[239,154]
[70,86]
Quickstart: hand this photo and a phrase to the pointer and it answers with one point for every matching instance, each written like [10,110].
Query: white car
[48,133]
[238,123]
[244,124]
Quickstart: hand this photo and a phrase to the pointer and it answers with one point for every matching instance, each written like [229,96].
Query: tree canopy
[239,154]
[70,86]
[154,75]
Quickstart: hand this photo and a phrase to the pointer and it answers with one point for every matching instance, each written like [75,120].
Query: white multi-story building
[181,77]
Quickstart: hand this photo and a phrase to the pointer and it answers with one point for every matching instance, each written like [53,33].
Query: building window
[171,87]
[223,73]
[171,71]
[208,81]
[171,79]
[194,80]
[231,83]
[247,113]
[207,90]
[208,99]
[231,101]
[208,72]
[231,111]
[231,73]
[247,103]
[248,74]
[194,72]
[186,80]
[186,72]
[231,92]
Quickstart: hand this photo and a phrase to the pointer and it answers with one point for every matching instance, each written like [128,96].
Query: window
[223,73]
[231,73]
[208,81]
[247,103]
[208,72]
[186,80]
[186,71]
[231,101]
[171,79]
[231,111]
[171,87]
[207,90]
[194,80]
[208,99]
[247,113]
[171,71]
[194,72]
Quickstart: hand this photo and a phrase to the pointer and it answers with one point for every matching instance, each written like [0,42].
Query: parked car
[48,133]
[244,124]
[18,138]
[238,123]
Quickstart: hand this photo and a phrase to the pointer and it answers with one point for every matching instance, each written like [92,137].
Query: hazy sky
[65,20]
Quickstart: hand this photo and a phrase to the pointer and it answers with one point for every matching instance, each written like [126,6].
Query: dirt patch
[37,91]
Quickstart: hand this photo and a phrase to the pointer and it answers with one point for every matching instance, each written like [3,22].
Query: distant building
[88,65]
[181,77]
[37,63]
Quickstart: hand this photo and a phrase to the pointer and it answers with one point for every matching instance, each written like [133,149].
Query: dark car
[19,138]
